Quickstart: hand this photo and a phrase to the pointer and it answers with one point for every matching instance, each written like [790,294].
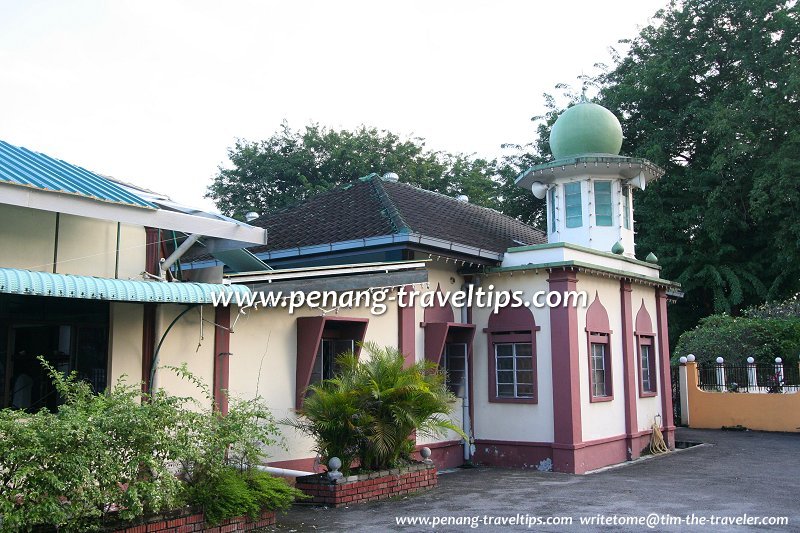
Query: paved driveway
[735,473]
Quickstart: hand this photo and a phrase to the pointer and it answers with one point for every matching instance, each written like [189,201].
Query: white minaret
[589,186]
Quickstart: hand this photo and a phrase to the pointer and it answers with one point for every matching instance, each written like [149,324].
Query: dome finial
[585,128]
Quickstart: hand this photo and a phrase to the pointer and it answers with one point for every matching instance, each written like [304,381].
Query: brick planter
[367,487]
[195,521]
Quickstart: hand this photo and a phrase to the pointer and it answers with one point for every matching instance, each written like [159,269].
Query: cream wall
[647,408]
[86,246]
[602,419]
[26,238]
[186,343]
[132,252]
[264,362]
[125,349]
[507,421]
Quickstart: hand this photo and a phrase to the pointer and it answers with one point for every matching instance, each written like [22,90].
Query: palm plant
[371,408]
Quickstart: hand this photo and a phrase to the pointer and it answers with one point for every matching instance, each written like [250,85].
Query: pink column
[629,370]
[666,381]
[566,375]
[222,348]
[406,330]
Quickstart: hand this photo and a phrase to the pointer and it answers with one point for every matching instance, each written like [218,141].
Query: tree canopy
[711,92]
[293,164]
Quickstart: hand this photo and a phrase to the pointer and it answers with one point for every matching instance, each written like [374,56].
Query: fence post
[779,370]
[721,373]
[752,376]
[683,387]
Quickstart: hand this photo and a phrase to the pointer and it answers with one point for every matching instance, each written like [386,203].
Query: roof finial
[582,77]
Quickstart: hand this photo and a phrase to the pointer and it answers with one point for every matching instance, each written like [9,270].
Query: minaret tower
[588,186]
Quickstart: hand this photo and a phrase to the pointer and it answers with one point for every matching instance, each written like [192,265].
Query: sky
[155,92]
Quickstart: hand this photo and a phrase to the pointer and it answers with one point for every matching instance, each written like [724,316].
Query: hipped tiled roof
[372,207]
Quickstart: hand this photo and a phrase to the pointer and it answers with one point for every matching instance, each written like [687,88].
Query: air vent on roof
[391,176]
[251,216]
[463,198]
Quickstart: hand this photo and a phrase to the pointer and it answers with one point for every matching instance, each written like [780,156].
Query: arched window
[598,334]
[646,353]
[511,336]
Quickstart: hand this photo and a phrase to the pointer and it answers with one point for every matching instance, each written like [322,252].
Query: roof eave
[71,204]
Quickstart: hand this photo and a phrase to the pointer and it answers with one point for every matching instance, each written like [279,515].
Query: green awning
[27,282]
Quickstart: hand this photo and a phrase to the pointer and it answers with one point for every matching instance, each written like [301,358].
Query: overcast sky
[155,92]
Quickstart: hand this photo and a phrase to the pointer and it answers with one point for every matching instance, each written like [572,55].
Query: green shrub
[97,455]
[122,455]
[232,492]
[789,308]
[368,412]
[737,338]
[224,495]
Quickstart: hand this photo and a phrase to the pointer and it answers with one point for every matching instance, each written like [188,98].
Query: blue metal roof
[20,166]
[31,283]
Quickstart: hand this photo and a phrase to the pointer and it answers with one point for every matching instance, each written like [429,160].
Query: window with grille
[600,366]
[647,366]
[514,370]
[325,366]
[454,364]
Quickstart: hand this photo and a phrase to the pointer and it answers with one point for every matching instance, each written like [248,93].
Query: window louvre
[626,207]
[573,205]
[602,203]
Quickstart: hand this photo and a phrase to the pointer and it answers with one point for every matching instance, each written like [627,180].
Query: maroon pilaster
[152,254]
[222,348]
[566,374]
[148,343]
[629,370]
[406,329]
[151,260]
[666,381]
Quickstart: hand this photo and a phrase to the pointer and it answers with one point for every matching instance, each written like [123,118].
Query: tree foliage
[121,456]
[737,338]
[292,165]
[711,91]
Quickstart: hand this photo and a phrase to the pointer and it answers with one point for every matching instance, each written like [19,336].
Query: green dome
[585,128]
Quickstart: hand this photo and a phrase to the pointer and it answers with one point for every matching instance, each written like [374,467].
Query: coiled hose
[657,444]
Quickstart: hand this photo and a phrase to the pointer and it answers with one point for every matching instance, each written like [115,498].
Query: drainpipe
[465,401]
[285,472]
[178,253]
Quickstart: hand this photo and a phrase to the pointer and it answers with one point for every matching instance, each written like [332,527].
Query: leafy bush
[97,455]
[122,455]
[736,338]
[232,492]
[789,308]
[368,411]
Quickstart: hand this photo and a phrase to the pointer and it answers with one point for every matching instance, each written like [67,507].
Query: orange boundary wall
[764,412]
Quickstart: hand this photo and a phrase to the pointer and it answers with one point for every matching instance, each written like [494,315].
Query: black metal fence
[675,376]
[754,378]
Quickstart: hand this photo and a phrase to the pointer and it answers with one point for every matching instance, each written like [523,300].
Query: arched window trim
[598,332]
[645,336]
[511,325]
